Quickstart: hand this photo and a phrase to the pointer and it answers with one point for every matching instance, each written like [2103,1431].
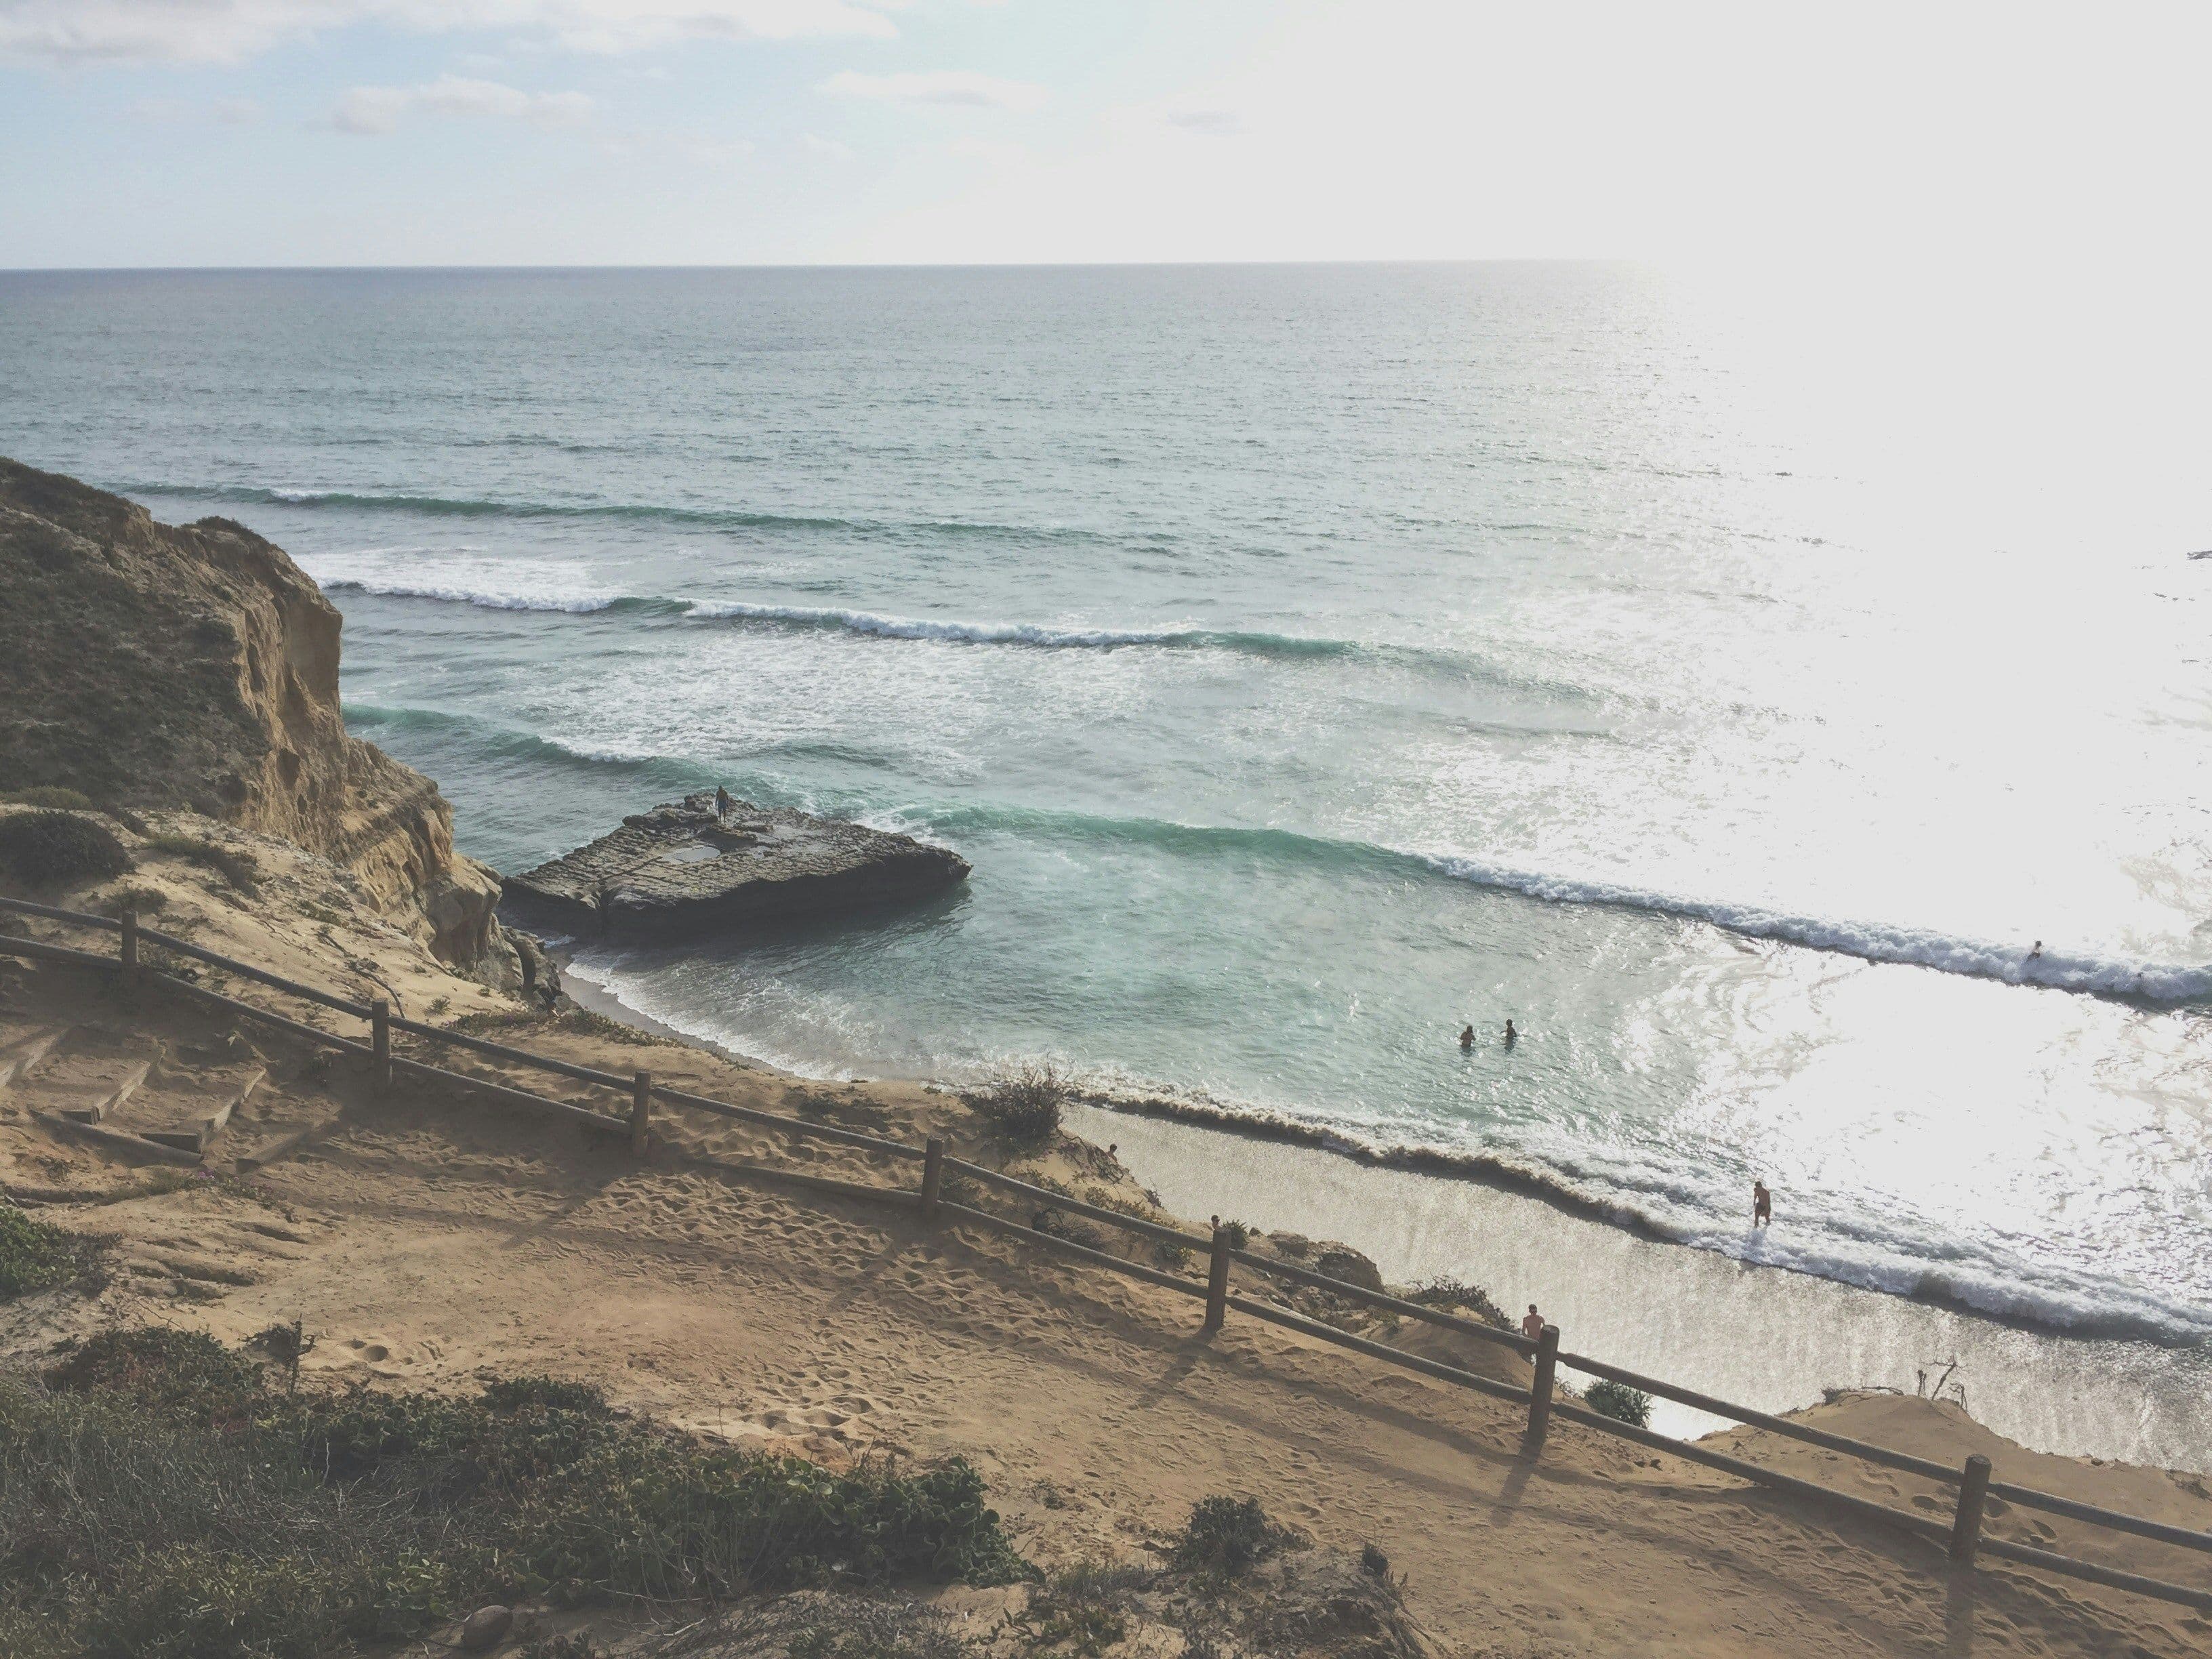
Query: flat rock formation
[684,867]
[161,666]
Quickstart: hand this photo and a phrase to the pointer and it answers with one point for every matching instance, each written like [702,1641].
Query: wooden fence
[1962,1536]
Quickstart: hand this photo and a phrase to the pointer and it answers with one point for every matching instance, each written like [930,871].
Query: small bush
[1081,1612]
[287,1345]
[1021,1105]
[49,849]
[1374,1562]
[1227,1536]
[1619,1401]
[234,864]
[146,901]
[34,1256]
[1058,1224]
[1450,1295]
[47,795]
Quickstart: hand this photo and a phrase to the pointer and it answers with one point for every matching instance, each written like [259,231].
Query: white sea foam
[1872,942]
[570,600]
[904,628]
[1942,1268]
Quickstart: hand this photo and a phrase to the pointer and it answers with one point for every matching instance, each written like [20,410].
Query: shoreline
[1769,1335]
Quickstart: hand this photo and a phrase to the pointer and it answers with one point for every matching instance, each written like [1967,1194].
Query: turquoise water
[1310,660]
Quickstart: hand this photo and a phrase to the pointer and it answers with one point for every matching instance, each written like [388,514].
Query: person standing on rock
[721,802]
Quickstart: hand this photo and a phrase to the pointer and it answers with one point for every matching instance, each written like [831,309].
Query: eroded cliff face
[155,666]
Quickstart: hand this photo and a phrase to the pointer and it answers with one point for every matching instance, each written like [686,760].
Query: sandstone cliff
[157,665]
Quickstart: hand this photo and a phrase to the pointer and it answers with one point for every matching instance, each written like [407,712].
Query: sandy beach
[1766,1337]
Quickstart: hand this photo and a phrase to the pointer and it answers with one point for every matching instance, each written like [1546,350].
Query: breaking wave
[466,507]
[1038,635]
[2013,965]
[1030,633]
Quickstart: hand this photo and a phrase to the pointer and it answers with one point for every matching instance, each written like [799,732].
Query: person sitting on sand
[1512,1037]
[1466,1038]
[1762,1204]
[1533,1326]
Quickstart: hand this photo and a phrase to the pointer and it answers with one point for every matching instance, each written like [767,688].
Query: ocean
[1733,693]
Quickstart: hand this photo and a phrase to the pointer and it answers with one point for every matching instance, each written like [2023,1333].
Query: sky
[322,132]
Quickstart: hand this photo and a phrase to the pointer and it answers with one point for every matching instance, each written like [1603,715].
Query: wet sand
[1762,1336]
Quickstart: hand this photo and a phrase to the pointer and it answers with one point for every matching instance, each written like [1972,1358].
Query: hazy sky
[137,133]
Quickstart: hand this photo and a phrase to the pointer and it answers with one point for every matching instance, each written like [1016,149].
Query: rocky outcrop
[689,867]
[156,665]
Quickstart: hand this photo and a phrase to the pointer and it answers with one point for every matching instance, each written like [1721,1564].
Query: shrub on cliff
[1454,1296]
[1022,1104]
[160,1499]
[1228,1536]
[234,864]
[1619,1401]
[48,849]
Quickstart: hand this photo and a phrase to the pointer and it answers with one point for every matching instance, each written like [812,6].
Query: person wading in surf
[1466,1038]
[1762,1204]
[1512,1037]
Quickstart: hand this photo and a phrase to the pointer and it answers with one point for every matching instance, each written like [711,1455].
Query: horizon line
[837,264]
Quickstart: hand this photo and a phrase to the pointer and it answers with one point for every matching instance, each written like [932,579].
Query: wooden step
[189,1117]
[89,1096]
[22,1049]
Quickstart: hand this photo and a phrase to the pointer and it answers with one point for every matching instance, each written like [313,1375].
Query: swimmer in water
[1512,1037]
[1466,1038]
[2036,953]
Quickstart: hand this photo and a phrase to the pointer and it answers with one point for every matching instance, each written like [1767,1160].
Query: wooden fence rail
[1962,1535]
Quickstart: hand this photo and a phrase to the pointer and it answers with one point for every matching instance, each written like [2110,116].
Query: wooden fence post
[380,1044]
[1966,1530]
[127,950]
[1539,1387]
[1217,1282]
[641,1114]
[933,1176]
